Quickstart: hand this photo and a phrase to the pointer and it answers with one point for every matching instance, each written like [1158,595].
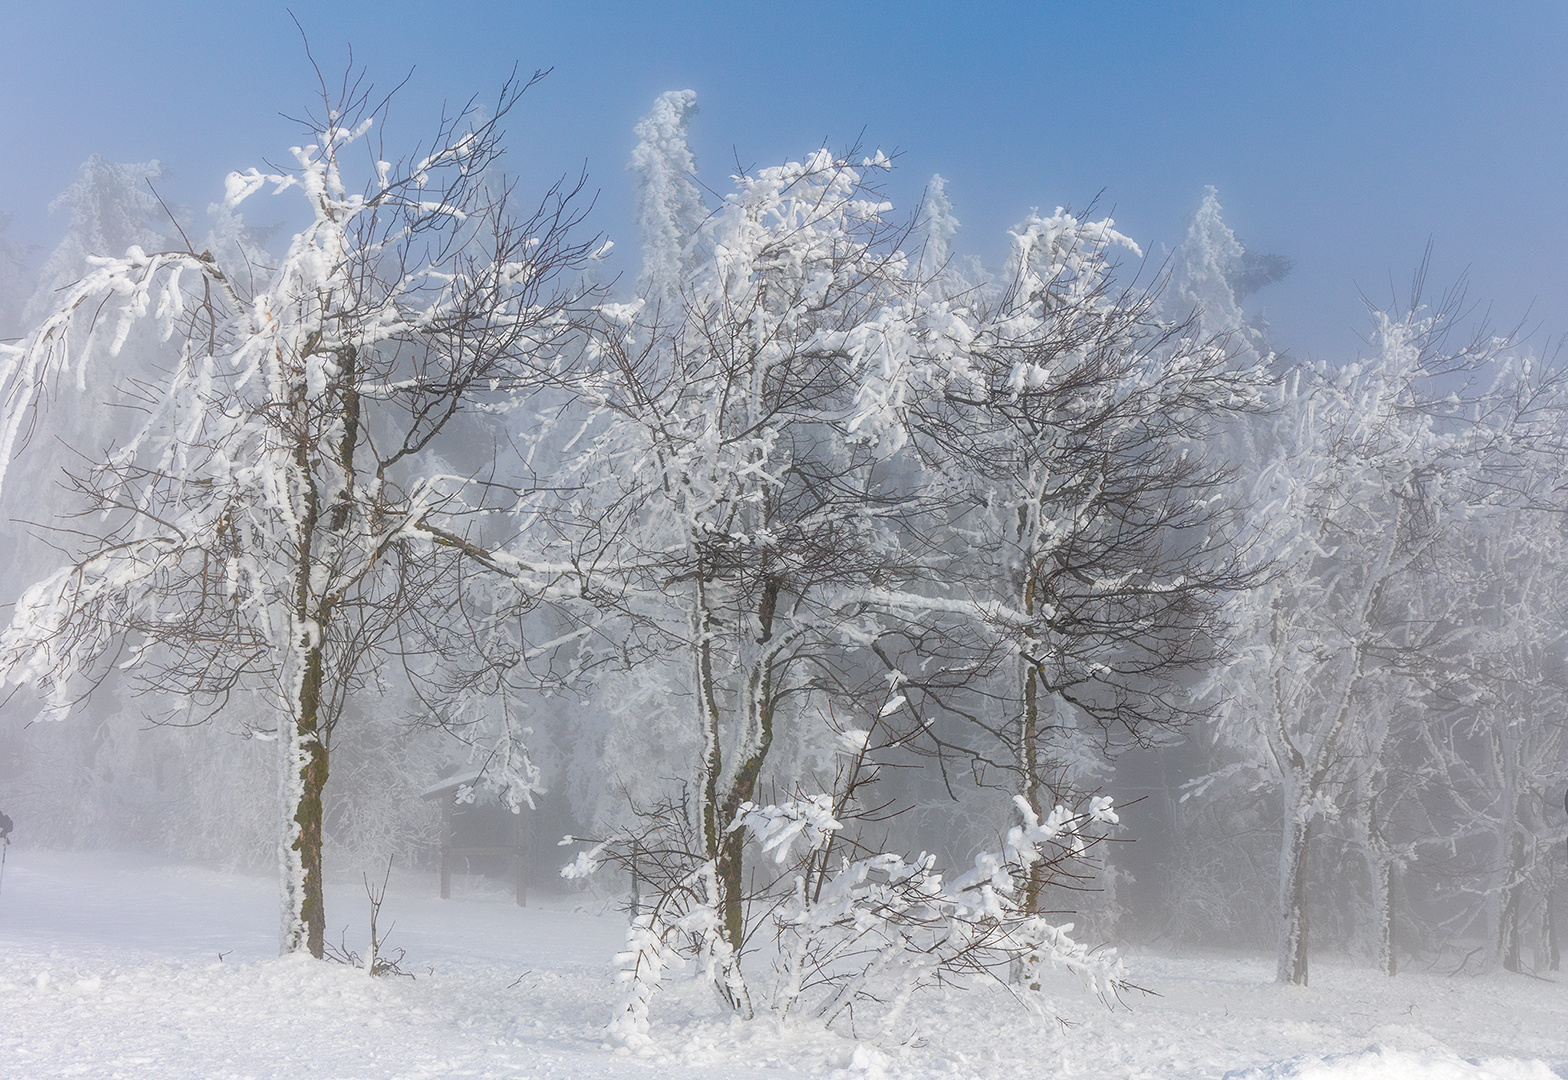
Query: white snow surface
[110,967]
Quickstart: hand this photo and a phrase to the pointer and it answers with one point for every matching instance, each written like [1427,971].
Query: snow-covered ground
[114,966]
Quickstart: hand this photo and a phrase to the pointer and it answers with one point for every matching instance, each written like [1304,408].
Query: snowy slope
[109,967]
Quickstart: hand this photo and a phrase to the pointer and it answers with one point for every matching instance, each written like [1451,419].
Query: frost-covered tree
[939,224]
[111,206]
[669,204]
[1353,498]
[1213,272]
[1492,751]
[1094,519]
[263,541]
[765,540]
[1502,755]
[1208,255]
[749,519]
[1454,773]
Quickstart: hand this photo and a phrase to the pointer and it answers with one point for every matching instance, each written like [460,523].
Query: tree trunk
[1293,897]
[1383,886]
[304,778]
[1029,739]
[1549,933]
[305,755]
[732,849]
[708,709]
[1509,931]
[304,764]
[731,867]
[1029,761]
[758,705]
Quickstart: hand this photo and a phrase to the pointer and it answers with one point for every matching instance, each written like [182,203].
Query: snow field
[109,967]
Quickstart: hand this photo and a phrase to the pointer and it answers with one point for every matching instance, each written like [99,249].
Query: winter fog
[1005,549]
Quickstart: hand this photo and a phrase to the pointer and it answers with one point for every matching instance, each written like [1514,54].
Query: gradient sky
[1344,135]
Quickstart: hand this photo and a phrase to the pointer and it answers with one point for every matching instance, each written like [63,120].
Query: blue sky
[1344,135]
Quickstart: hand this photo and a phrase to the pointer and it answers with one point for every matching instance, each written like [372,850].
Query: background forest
[865,608]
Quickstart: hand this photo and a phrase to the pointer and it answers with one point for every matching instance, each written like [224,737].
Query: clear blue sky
[1344,135]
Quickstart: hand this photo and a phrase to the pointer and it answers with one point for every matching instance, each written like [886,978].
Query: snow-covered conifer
[111,207]
[669,204]
[939,226]
[1208,256]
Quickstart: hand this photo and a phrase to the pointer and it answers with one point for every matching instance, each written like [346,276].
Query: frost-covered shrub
[855,931]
